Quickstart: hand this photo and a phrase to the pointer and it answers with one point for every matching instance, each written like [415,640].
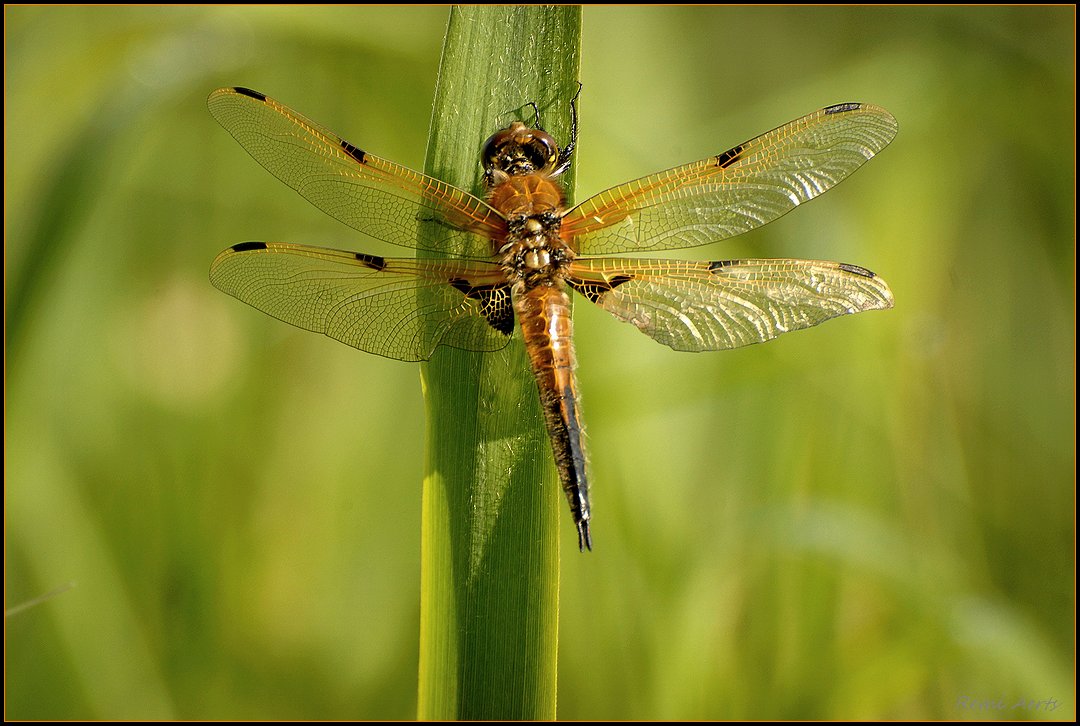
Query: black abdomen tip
[583,536]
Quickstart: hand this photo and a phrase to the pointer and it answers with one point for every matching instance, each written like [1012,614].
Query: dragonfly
[510,258]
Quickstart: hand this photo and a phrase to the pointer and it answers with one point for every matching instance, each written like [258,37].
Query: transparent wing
[700,306]
[398,308]
[725,195]
[372,195]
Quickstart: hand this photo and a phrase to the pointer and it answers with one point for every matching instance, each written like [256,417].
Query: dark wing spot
[461,286]
[593,291]
[843,108]
[855,269]
[495,304]
[373,261]
[499,310]
[353,151]
[721,264]
[248,246]
[729,157]
[250,93]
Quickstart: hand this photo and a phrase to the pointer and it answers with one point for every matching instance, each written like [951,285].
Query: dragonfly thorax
[533,247]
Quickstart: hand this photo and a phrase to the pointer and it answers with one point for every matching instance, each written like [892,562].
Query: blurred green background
[872,519]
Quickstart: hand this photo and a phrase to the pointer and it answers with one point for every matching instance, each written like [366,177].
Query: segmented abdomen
[544,315]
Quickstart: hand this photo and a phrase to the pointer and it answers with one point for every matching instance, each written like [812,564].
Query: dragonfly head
[518,151]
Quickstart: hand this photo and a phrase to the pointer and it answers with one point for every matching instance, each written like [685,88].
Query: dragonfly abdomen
[543,312]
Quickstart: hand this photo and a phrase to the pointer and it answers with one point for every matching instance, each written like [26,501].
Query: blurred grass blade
[34,602]
[492,504]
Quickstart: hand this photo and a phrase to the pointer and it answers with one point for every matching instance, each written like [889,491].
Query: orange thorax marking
[529,194]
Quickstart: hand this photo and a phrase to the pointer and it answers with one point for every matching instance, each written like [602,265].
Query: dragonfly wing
[698,306]
[398,308]
[731,193]
[375,196]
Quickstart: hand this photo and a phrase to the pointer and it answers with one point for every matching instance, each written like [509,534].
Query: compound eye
[545,151]
[492,146]
[520,150]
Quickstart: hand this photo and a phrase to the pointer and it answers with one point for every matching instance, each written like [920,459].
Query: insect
[512,258]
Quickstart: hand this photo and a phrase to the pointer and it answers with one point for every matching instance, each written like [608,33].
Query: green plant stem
[492,504]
